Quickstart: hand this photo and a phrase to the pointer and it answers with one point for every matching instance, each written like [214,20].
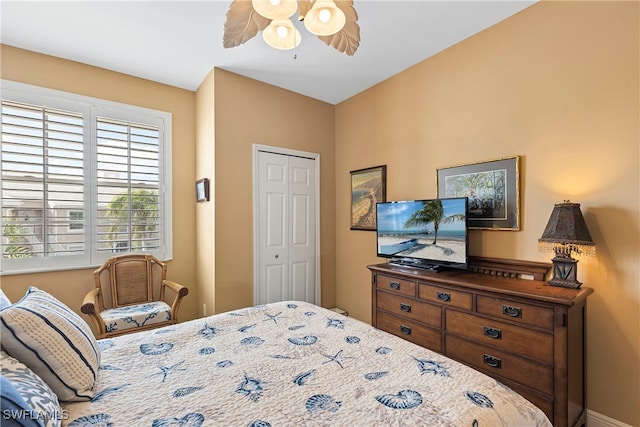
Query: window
[76,220]
[82,179]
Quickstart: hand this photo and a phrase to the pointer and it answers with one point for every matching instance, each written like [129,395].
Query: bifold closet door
[286,228]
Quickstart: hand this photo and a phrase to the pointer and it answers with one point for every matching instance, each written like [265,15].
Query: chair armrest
[180,290]
[89,304]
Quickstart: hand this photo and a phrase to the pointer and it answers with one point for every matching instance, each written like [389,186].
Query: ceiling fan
[334,22]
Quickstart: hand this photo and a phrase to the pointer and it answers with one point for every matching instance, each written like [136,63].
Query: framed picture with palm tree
[493,190]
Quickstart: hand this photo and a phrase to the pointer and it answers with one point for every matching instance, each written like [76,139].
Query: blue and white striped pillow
[54,342]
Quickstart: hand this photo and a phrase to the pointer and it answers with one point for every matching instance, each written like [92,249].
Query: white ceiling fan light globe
[281,34]
[282,31]
[324,15]
[324,18]
[275,9]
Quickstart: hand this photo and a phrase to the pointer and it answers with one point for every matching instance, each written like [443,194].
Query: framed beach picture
[368,187]
[493,190]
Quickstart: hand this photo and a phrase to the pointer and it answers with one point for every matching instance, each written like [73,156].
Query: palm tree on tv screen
[432,211]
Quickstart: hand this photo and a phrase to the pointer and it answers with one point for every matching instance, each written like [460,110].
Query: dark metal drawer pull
[394,285]
[443,296]
[492,332]
[494,362]
[405,307]
[511,311]
[405,330]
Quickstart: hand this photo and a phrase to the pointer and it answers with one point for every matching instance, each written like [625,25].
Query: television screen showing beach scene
[430,230]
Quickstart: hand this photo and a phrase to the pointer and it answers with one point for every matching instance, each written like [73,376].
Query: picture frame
[368,187]
[202,190]
[493,190]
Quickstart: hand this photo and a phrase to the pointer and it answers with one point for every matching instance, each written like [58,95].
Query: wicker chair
[129,296]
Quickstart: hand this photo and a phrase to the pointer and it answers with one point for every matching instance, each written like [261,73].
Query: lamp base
[564,273]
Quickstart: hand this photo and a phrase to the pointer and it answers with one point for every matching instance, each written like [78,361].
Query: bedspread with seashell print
[289,364]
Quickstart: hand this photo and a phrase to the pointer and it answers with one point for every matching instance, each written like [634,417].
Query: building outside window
[76,220]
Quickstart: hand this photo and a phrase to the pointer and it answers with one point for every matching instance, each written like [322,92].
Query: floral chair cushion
[135,316]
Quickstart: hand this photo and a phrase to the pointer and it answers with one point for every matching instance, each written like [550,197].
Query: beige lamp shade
[281,34]
[275,9]
[324,18]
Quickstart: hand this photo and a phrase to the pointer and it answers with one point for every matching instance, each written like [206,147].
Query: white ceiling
[179,42]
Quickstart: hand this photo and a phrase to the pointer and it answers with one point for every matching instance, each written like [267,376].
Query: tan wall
[205,211]
[46,71]
[558,85]
[249,112]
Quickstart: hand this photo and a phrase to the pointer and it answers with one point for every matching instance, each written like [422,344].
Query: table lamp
[565,233]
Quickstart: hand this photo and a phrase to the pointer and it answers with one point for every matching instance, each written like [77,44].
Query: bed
[283,364]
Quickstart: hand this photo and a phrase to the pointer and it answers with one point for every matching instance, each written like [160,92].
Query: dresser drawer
[409,330]
[497,362]
[535,344]
[399,286]
[410,308]
[516,311]
[446,296]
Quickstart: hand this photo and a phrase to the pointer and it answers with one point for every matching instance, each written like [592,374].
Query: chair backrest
[130,279]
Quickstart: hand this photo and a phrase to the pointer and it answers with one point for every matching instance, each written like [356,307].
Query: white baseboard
[595,419]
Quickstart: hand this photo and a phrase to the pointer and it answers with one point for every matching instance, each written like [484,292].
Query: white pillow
[54,342]
[4,301]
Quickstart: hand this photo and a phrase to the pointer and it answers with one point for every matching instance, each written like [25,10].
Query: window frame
[93,108]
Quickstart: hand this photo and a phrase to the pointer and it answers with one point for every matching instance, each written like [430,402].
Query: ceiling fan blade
[242,23]
[346,40]
[303,8]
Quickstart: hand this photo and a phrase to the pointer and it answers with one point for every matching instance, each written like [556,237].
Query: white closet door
[286,228]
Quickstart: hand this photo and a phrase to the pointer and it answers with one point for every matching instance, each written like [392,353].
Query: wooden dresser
[499,317]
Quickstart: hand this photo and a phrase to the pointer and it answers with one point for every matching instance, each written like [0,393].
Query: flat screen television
[430,234]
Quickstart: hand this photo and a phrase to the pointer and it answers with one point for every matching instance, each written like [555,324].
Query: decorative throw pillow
[4,301]
[26,399]
[54,342]
[15,411]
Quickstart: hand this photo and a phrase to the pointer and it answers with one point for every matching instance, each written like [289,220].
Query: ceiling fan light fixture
[275,9]
[334,22]
[281,34]
[324,18]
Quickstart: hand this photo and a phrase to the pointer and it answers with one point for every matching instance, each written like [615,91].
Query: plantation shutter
[81,179]
[128,186]
[43,183]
